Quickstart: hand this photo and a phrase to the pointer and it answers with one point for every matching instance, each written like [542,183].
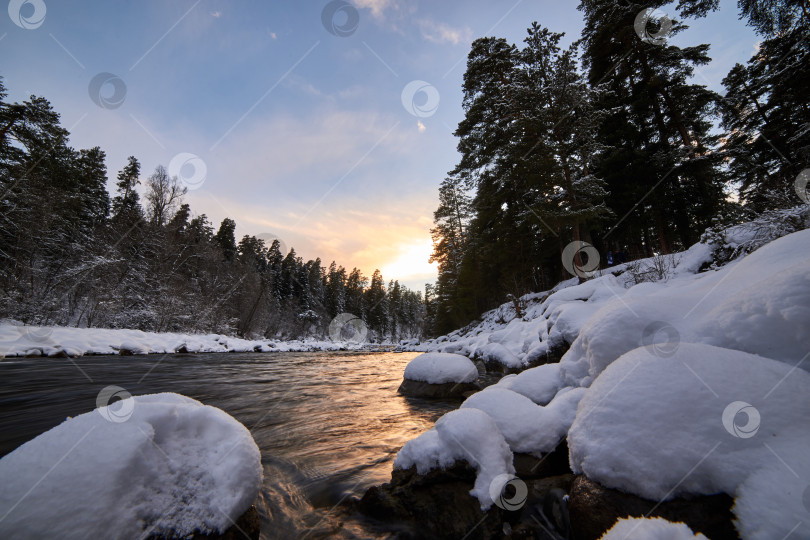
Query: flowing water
[328,424]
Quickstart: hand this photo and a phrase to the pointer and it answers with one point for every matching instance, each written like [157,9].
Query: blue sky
[303,134]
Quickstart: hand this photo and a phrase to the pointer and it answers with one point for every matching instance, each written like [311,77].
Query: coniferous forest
[615,142]
[72,255]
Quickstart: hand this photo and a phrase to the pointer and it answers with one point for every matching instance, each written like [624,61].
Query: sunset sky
[304,134]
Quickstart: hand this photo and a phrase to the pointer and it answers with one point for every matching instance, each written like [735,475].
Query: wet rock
[437,391]
[125,352]
[594,509]
[545,514]
[435,505]
[552,464]
[247,526]
[182,349]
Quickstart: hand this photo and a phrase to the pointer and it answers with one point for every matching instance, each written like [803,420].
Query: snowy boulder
[439,375]
[499,358]
[463,435]
[774,502]
[698,422]
[539,384]
[162,465]
[650,529]
[527,427]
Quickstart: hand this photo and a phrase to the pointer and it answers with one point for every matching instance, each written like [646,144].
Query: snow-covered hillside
[668,369]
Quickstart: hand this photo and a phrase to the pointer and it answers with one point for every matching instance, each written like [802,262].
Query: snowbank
[440,368]
[699,422]
[463,435]
[154,464]
[759,304]
[19,340]
[650,529]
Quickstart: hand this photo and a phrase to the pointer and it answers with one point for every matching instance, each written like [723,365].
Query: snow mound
[439,368]
[774,502]
[463,435]
[539,384]
[650,529]
[759,304]
[699,421]
[153,464]
[527,427]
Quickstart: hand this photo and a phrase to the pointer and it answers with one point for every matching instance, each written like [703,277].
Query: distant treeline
[71,255]
[614,142]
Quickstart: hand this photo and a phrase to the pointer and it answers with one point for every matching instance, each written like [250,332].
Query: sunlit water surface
[328,424]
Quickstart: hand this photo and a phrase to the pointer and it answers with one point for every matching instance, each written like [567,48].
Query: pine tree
[226,239]
[127,201]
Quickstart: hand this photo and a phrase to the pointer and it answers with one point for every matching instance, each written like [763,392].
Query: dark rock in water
[247,526]
[182,349]
[125,352]
[60,353]
[435,505]
[552,464]
[594,509]
[437,391]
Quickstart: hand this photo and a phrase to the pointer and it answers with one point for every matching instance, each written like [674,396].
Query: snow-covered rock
[463,435]
[495,353]
[528,428]
[539,384]
[698,422]
[440,368]
[650,529]
[162,463]
[774,502]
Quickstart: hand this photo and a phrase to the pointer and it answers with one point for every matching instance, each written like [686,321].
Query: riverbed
[328,424]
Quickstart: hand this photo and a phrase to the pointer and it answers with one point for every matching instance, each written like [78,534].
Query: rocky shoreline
[555,504]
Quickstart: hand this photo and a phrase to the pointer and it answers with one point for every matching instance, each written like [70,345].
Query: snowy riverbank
[17,340]
[661,374]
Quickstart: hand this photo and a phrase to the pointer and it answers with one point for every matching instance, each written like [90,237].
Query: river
[328,424]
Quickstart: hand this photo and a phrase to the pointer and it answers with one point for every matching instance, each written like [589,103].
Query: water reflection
[328,424]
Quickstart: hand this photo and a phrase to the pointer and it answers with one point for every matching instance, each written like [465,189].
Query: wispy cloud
[444,33]
[377,7]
